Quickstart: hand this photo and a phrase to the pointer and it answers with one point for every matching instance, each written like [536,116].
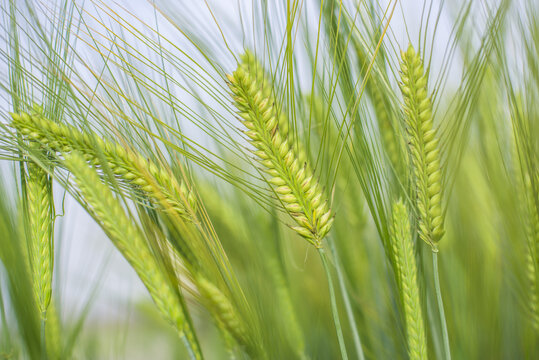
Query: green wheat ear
[249,63]
[123,233]
[40,214]
[128,165]
[532,233]
[406,272]
[292,180]
[224,311]
[40,217]
[423,147]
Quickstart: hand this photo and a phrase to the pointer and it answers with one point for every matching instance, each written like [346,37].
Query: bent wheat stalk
[108,212]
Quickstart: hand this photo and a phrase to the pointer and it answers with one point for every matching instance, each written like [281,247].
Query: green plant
[406,270]
[208,166]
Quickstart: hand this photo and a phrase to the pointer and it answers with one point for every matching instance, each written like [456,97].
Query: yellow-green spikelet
[293,181]
[532,260]
[406,273]
[250,64]
[110,215]
[128,165]
[223,309]
[53,331]
[40,208]
[393,145]
[423,147]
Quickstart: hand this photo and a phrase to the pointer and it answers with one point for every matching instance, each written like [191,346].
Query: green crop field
[288,179]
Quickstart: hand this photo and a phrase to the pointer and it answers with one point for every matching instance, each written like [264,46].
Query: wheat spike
[54,331]
[393,145]
[532,234]
[406,272]
[110,215]
[423,147]
[40,217]
[223,310]
[293,181]
[531,272]
[282,295]
[125,163]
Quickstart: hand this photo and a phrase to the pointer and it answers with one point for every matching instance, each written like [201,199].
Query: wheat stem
[43,338]
[191,350]
[333,301]
[445,335]
[53,340]
[346,300]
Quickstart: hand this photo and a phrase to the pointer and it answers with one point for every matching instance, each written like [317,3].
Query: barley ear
[224,311]
[54,331]
[40,218]
[293,181]
[393,145]
[249,63]
[128,165]
[289,316]
[127,238]
[406,272]
[532,260]
[423,147]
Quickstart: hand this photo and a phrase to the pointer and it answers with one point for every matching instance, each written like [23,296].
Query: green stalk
[347,303]
[189,347]
[333,301]
[43,337]
[445,335]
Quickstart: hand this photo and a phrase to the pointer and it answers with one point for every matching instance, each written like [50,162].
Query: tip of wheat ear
[423,147]
[292,180]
